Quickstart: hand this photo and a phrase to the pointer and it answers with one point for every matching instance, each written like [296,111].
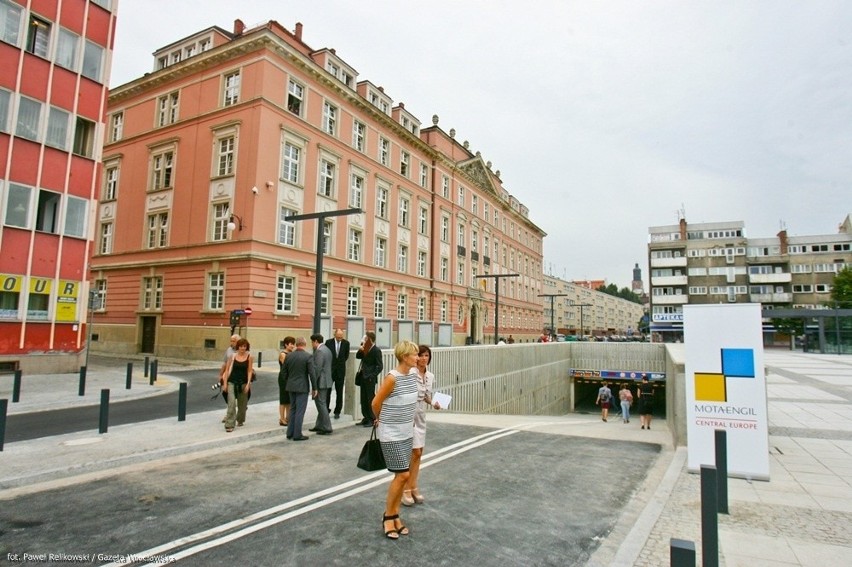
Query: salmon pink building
[54,67]
[208,156]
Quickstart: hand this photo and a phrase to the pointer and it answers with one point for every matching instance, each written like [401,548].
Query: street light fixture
[581,305]
[551,296]
[497,278]
[232,225]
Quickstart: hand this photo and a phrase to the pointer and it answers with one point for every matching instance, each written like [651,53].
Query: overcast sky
[603,117]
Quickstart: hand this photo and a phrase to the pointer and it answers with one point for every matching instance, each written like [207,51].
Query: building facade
[576,309]
[717,263]
[55,65]
[233,132]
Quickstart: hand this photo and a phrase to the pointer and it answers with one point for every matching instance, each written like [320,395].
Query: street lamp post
[320,225]
[551,296]
[497,278]
[581,305]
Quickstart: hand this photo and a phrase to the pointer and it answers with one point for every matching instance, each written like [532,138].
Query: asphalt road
[21,427]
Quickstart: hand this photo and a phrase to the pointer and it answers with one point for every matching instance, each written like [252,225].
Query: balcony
[770,278]
[486,260]
[669,299]
[661,281]
[474,256]
[771,297]
[668,262]
[461,252]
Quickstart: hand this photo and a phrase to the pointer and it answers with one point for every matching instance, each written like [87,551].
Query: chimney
[782,240]
[683,229]
[402,105]
[239,27]
[299,31]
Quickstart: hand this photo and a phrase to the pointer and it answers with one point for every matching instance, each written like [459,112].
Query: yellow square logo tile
[710,387]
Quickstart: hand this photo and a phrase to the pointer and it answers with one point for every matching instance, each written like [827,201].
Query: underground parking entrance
[585,385]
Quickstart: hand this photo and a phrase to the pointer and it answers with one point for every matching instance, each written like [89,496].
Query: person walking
[646,402]
[425,382]
[322,391]
[393,407]
[626,398]
[339,355]
[283,394]
[223,377]
[371,366]
[238,370]
[604,400]
[300,377]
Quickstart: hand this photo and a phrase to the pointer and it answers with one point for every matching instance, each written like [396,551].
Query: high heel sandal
[400,528]
[407,500]
[392,533]
[418,498]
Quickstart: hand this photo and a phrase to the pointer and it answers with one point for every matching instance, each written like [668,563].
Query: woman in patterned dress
[394,406]
[425,381]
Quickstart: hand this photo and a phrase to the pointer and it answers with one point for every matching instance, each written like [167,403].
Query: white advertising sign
[726,387]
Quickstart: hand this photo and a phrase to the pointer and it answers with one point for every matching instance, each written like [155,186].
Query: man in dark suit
[322,369]
[339,348]
[371,366]
[301,382]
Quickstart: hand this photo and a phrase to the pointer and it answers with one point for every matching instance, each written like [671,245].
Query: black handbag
[371,458]
[359,376]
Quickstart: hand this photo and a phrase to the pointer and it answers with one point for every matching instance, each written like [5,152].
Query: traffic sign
[247,310]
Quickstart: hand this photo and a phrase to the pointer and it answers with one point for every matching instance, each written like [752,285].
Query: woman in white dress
[425,382]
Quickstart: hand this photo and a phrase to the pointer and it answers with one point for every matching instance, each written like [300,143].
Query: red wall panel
[72,264]
[45,250]
[16,246]
[53,169]
[99,25]
[9,57]
[71,16]
[34,77]
[90,100]
[80,178]
[64,89]
[25,162]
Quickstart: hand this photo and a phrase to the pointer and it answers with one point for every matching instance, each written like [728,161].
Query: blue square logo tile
[738,362]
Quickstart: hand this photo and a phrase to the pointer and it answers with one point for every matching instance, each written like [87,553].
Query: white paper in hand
[443,400]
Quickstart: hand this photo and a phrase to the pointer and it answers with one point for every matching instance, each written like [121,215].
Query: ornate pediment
[478,172]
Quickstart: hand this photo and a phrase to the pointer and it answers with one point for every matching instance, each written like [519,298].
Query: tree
[841,289]
[623,293]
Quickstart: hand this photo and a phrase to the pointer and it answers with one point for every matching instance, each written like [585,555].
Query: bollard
[16,387]
[153,376]
[721,437]
[4,405]
[147,364]
[259,358]
[129,376]
[81,389]
[182,402]
[103,421]
[681,553]
[709,518]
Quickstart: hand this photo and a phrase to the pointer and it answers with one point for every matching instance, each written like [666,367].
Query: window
[231,94]
[402,306]
[93,56]
[226,156]
[359,135]
[404,163]
[474,204]
[461,197]
[327,233]
[382,202]
[460,273]
[189,51]
[110,191]
[66,49]
[822,288]
[39,299]
[329,118]
[462,241]
[38,36]
[326,178]
[284,294]
[29,119]
[167,109]
[445,228]
[158,230]
[10,291]
[474,241]
[324,294]
[84,137]
[295,97]
[353,300]
[803,288]
[421,263]
[445,307]
[424,175]
[445,186]
[381,252]
[384,151]
[402,258]
[216,291]
[47,213]
[423,220]
[286,228]
[445,269]
[76,211]
[105,246]
[162,165]
[221,216]
[152,293]
[10,22]
[100,289]
[57,128]
[421,308]
[356,191]
[354,249]
[290,162]
[379,304]
[5,104]
[116,126]
[404,209]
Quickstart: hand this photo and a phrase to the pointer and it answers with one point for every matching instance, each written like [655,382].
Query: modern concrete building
[55,58]
[717,262]
[580,311]
[231,133]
